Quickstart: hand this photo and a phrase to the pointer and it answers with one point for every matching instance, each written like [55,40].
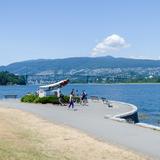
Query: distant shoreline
[87,84]
[112,83]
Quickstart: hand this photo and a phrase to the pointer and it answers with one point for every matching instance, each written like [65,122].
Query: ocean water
[145,96]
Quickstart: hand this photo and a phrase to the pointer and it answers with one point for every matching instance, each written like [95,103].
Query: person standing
[59,96]
[73,92]
[84,98]
[71,100]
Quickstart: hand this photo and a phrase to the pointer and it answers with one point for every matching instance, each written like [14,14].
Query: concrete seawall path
[90,119]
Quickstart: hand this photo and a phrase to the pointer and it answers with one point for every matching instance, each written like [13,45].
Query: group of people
[83,98]
[73,97]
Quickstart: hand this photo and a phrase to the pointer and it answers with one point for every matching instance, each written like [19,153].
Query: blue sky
[33,29]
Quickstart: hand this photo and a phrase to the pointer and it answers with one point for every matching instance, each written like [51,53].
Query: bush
[77,99]
[48,99]
[31,98]
[65,99]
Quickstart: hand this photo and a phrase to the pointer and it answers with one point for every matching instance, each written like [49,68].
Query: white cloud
[110,44]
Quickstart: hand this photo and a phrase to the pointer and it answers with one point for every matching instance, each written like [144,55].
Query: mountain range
[76,65]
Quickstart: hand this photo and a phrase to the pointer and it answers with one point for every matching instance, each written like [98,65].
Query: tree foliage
[7,78]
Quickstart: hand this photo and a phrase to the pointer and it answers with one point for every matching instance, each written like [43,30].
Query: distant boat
[51,88]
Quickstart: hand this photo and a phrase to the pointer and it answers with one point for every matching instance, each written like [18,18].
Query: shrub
[29,98]
[77,99]
[65,99]
[48,99]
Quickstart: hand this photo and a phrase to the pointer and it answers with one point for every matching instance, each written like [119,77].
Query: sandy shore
[25,136]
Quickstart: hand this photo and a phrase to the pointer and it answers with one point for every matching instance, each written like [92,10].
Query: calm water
[145,96]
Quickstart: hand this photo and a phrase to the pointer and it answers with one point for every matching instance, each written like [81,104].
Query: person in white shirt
[71,100]
[59,96]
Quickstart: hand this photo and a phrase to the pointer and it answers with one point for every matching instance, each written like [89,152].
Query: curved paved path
[90,119]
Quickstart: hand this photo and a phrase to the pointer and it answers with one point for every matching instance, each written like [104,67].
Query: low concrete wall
[131,116]
[145,125]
